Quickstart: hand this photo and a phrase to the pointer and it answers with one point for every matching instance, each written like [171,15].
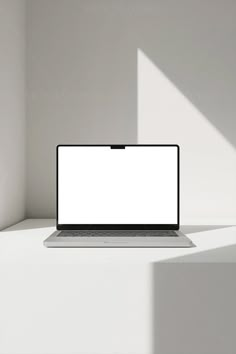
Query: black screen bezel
[118,226]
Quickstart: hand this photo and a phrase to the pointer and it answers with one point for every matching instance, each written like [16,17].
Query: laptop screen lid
[117,187]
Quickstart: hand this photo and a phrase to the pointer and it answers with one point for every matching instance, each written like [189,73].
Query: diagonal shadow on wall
[192,43]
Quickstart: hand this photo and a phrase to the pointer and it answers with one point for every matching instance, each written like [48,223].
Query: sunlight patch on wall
[208,160]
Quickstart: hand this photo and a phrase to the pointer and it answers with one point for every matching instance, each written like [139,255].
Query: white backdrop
[86,83]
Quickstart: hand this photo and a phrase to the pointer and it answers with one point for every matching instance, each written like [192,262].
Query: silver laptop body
[117,196]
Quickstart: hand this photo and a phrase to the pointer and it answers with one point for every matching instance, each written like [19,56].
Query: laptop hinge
[117,146]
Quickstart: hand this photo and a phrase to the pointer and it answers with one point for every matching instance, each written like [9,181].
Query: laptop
[117,196]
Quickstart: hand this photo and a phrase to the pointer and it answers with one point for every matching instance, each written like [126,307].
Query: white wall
[12,112]
[86,84]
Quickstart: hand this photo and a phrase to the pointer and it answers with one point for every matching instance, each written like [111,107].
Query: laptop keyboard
[118,233]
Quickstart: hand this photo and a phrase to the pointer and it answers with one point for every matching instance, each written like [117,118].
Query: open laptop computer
[117,196]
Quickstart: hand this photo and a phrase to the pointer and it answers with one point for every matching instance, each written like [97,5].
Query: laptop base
[123,242]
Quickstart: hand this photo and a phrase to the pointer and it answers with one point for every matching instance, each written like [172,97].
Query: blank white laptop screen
[135,185]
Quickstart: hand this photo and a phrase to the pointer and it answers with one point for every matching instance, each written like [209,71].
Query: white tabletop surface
[24,241]
[117,301]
